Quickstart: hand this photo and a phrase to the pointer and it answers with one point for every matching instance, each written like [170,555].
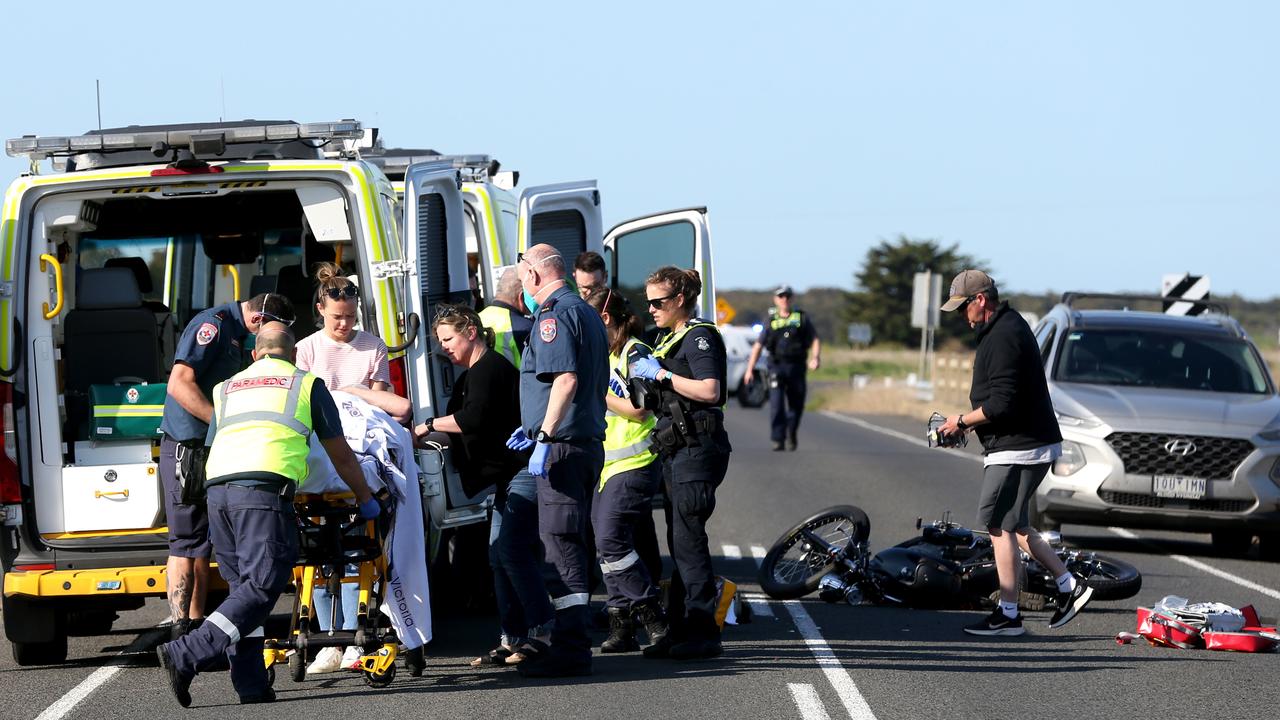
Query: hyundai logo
[1180,446]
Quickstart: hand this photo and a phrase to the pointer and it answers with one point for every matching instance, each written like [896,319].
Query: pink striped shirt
[363,361]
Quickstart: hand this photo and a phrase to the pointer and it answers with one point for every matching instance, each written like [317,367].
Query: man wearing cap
[1013,417]
[794,348]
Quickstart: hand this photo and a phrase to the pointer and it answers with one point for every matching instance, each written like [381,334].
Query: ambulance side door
[635,248]
[435,248]
[565,216]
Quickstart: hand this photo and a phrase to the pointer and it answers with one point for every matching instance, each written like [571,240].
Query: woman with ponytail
[622,509]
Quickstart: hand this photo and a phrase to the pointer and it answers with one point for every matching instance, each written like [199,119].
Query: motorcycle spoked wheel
[793,566]
[1111,579]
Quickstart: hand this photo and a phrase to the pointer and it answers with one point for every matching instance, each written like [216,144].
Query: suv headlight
[1071,461]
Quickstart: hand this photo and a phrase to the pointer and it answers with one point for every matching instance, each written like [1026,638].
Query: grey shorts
[1006,492]
[188,524]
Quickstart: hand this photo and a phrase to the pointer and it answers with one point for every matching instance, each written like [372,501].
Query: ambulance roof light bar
[198,139]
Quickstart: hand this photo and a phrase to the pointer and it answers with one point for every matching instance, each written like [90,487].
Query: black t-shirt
[700,355]
[486,405]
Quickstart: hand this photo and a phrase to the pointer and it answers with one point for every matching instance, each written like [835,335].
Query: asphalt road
[801,660]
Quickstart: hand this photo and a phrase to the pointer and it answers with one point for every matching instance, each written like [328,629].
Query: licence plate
[1179,486]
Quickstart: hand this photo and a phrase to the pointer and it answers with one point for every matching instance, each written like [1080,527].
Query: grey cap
[784,290]
[965,285]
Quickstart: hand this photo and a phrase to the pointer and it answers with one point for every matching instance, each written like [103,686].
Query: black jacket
[1010,387]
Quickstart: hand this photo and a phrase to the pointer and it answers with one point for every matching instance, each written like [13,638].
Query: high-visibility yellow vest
[498,319]
[263,420]
[626,442]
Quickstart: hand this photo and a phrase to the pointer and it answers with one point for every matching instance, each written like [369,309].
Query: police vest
[263,420]
[784,337]
[498,319]
[626,442]
[668,343]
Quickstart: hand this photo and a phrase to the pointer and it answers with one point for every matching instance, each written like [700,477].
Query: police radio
[937,439]
[646,394]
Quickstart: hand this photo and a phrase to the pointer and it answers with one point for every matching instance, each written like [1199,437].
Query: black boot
[650,615]
[622,633]
[791,440]
[179,628]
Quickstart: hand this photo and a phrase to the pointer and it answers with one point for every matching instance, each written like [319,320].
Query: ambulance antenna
[97,85]
[222,91]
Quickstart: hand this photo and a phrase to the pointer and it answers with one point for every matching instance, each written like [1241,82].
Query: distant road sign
[1184,286]
[859,334]
[926,291]
[724,312]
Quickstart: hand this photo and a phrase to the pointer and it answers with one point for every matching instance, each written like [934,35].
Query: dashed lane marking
[760,606]
[757,553]
[731,552]
[808,702]
[1205,567]
[65,704]
[846,689]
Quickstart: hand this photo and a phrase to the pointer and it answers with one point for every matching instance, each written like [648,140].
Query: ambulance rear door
[435,252]
[635,248]
[565,216]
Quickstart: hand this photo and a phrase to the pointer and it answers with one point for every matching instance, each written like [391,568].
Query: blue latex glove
[370,509]
[538,460]
[646,367]
[519,441]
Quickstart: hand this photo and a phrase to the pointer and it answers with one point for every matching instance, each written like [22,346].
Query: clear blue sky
[1088,145]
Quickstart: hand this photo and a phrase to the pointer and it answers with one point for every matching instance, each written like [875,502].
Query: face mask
[529,302]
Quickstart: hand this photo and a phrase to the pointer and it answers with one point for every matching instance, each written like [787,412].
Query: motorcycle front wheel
[1111,579]
[797,561]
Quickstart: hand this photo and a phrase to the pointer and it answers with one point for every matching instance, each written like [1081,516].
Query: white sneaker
[327,660]
[351,658]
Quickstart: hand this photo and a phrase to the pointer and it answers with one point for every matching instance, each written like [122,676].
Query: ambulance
[113,240]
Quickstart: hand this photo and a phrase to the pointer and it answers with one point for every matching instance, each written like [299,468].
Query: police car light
[200,140]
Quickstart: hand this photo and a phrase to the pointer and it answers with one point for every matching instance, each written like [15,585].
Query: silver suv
[1168,422]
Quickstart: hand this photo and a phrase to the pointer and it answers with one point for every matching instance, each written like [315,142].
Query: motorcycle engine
[916,577]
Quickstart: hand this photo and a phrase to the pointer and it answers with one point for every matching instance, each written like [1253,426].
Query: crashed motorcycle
[947,565]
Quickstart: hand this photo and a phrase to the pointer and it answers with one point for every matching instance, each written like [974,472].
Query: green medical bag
[126,412]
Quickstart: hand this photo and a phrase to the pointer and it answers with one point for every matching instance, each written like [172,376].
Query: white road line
[96,679]
[1205,567]
[893,433]
[731,552]
[808,702]
[759,604]
[839,678]
[1189,562]
[757,553]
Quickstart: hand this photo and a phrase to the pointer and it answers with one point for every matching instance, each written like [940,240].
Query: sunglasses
[447,311]
[966,302]
[656,303]
[269,316]
[346,291]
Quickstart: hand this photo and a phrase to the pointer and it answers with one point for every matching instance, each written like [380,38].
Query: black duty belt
[267,486]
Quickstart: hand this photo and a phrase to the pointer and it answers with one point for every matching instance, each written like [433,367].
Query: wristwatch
[543,437]
[431,424]
[960,423]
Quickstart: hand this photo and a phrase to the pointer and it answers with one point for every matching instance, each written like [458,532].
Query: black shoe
[661,648]
[791,443]
[555,664]
[778,446]
[178,683]
[1071,603]
[622,633]
[415,661]
[267,696]
[651,615]
[696,650]
[997,623]
[178,629]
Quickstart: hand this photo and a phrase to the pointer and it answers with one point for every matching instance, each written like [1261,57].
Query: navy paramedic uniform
[252,524]
[567,336]
[212,346]
[788,340]
[691,474]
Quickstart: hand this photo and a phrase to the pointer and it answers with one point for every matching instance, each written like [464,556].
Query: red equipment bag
[1167,631]
[1251,640]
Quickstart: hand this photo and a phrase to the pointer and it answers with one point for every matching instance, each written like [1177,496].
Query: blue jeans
[322,603]
[516,556]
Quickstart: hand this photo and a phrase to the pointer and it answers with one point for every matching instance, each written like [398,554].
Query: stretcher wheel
[380,680]
[297,666]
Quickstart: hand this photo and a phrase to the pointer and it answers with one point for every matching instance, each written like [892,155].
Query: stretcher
[329,541]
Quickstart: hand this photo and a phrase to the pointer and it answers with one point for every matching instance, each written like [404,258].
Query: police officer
[262,419]
[209,352]
[563,378]
[790,338]
[510,327]
[622,509]
[689,362]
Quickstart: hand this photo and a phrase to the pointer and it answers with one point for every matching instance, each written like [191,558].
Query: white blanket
[385,451]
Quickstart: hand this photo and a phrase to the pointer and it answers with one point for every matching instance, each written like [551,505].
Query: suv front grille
[1215,458]
[1151,501]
